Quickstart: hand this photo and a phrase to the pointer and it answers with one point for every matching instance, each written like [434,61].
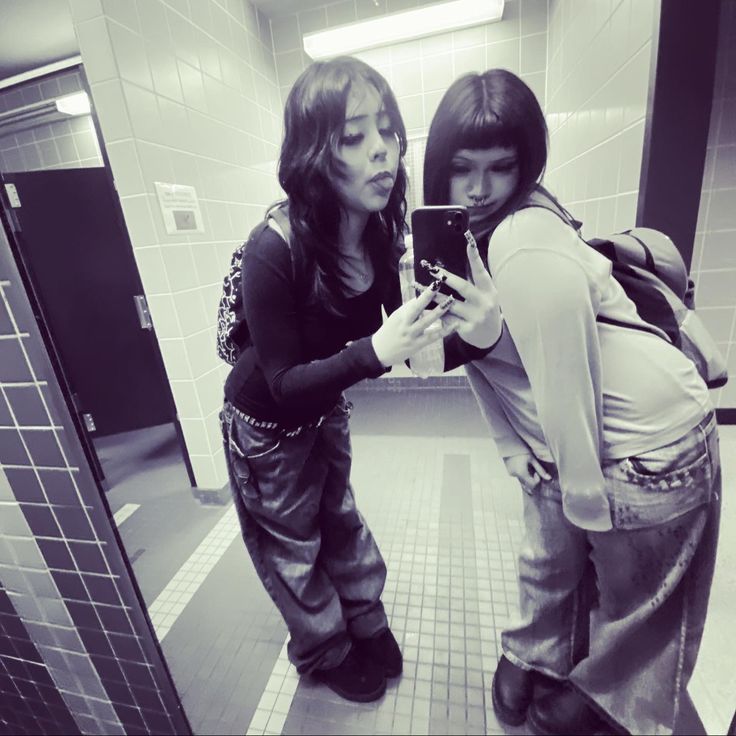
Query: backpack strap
[563,214]
[648,257]
[608,249]
[279,217]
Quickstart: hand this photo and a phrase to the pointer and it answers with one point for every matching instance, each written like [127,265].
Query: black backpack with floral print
[232,329]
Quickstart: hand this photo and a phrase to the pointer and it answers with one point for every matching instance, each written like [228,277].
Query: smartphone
[439,238]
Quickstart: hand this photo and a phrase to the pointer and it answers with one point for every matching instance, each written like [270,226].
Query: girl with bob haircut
[608,428]
[315,275]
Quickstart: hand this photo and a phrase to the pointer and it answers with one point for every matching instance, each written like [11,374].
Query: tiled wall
[598,69]
[63,144]
[77,654]
[420,71]
[714,256]
[186,93]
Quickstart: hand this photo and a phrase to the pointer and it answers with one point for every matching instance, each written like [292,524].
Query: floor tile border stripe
[174,598]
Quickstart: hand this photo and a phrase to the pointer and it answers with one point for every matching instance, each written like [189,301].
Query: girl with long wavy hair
[315,276]
[607,426]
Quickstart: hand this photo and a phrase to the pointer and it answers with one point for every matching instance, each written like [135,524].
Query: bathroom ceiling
[34,33]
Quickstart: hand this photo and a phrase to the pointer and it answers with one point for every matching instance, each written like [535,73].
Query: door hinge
[12,193]
[144,316]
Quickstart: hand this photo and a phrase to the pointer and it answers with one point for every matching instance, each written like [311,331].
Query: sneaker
[384,650]
[356,678]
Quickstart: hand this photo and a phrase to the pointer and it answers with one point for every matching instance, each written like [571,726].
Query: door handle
[144,316]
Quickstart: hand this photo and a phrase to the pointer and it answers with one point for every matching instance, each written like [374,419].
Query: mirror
[195,98]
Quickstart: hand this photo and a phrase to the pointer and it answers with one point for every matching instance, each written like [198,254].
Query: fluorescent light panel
[405,26]
[76,104]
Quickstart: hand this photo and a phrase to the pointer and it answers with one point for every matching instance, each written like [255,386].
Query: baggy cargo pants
[309,543]
[653,572]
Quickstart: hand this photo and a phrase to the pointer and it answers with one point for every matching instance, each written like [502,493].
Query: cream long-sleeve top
[574,391]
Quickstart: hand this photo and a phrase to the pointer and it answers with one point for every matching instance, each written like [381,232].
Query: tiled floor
[448,521]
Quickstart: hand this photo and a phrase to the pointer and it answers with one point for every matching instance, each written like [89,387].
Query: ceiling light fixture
[76,104]
[404,26]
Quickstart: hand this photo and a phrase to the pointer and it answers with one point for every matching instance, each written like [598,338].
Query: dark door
[76,251]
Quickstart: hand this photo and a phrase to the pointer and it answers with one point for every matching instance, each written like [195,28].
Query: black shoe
[383,649]
[511,692]
[356,678]
[565,712]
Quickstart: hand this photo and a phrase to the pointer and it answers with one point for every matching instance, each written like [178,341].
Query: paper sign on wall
[179,208]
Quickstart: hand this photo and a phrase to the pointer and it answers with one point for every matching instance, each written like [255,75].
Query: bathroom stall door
[79,260]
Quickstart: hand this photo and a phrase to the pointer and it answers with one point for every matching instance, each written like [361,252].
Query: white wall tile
[192,86]
[164,72]
[142,111]
[469,60]
[412,110]
[180,268]
[504,55]
[138,220]
[407,78]
[340,13]
[597,92]
[201,353]
[533,16]
[437,72]
[190,311]
[151,268]
[187,401]
[472,36]
[127,171]
[96,50]
[85,9]
[155,163]
[164,315]
[130,53]
[153,24]
[124,12]
[534,53]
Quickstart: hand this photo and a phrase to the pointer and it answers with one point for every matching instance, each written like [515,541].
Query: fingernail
[435,285]
[434,270]
[448,302]
[426,264]
[470,239]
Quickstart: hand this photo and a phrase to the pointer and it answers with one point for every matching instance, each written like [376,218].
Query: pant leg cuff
[533,668]
[368,624]
[330,654]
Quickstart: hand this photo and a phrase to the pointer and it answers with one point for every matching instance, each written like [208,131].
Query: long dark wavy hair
[495,108]
[314,120]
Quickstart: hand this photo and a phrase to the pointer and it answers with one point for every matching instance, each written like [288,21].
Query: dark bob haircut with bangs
[480,111]
[314,121]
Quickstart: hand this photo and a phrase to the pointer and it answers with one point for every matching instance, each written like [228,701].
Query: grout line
[125,512]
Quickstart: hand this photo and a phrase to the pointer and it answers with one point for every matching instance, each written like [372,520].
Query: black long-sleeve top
[301,355]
